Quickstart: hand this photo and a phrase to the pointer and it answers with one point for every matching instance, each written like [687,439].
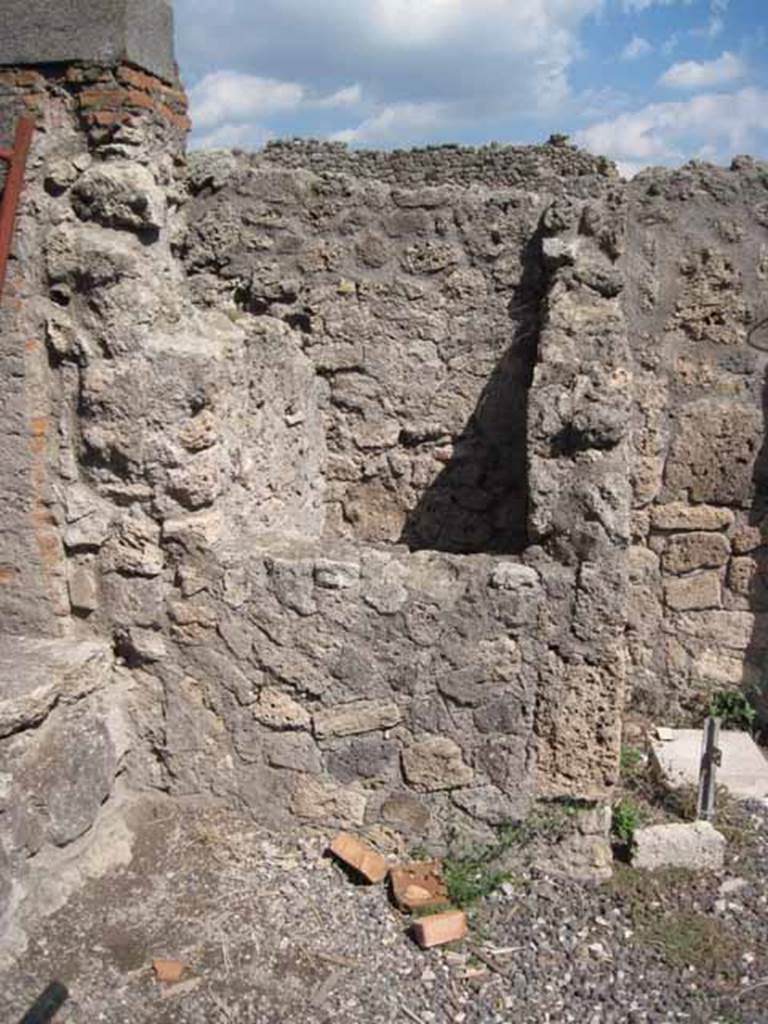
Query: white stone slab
[696,846]
[676,753]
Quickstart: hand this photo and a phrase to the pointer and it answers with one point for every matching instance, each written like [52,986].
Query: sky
[645,82]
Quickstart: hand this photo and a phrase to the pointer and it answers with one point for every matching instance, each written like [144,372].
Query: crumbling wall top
[494,165]
[99,31]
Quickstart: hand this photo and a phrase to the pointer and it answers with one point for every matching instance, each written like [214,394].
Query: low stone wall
[496,166]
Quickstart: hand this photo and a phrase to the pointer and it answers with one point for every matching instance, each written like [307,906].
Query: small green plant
[627,818]
[734,710]
[631,759]
[469,879]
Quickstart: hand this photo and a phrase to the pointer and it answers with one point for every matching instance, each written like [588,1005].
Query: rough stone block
[36,674]
[61,780]
[83,589]
[318,800]
[120,196]
[293,750]
[696,846]
[694,592]
[678,516]
[690,551]
[97,31]
[360,856]
[353,719]
[279,711]
[713,453]
[436,763]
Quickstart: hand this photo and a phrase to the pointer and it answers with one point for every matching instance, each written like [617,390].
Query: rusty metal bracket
[16,159]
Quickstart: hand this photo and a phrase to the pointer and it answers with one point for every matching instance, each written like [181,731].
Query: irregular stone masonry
[383,474]
[493,165]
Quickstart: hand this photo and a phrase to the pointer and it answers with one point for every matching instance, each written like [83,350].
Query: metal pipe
[47,1005]
[14,182]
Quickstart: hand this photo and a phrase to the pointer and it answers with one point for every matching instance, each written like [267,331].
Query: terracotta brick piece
[418,886]
[360,856]
[437,929]
[168,970]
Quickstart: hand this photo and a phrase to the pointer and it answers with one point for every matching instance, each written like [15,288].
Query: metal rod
[14,183]
[47,1005]
[710,759]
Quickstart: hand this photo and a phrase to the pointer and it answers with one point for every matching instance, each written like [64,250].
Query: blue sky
[643,81]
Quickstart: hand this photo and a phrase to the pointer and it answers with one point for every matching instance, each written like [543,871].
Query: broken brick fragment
[437,929]
[360,856]
[418,886]
[168,970]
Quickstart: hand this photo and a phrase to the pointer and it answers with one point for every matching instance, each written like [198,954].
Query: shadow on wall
[755,671]
[479,501]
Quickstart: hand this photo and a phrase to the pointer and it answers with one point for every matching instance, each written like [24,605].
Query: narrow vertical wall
[578,449]
[32,592]
[96,98]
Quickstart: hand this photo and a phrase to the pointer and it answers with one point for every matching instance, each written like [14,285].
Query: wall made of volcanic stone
[239,444]
[356,471]
[417,305]
[697,268]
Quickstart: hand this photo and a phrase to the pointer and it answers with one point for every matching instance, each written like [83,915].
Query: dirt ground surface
[272,930]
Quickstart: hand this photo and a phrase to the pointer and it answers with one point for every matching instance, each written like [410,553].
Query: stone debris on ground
[414,887]
[695,846]
[676,755]
[270,930]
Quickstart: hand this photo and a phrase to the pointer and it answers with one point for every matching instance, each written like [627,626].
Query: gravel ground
[271,930]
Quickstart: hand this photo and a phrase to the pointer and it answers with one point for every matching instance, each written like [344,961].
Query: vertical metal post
[710,759]
[47,1005]
[16,159]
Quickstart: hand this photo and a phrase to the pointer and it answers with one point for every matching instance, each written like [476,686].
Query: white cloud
[637,6]
[480,61]
[716,23]
[635,48]
[230,96]
[719,125]
[693,74]
[233,136]
[351,96]
[399,122]
[229,108]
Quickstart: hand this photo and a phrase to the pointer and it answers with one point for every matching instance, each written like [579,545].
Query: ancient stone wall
[390,480]
[696,271]
[494,165]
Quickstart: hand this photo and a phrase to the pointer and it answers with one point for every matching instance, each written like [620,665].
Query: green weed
[627,818]
[734,710]
[631,759]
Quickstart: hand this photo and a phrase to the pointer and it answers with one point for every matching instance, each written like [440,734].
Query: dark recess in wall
[479,502]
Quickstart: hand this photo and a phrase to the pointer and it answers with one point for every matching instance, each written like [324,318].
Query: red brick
[101,98]
[359,856]
[29,78]
[418,886]
[168,970]
[438,929]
